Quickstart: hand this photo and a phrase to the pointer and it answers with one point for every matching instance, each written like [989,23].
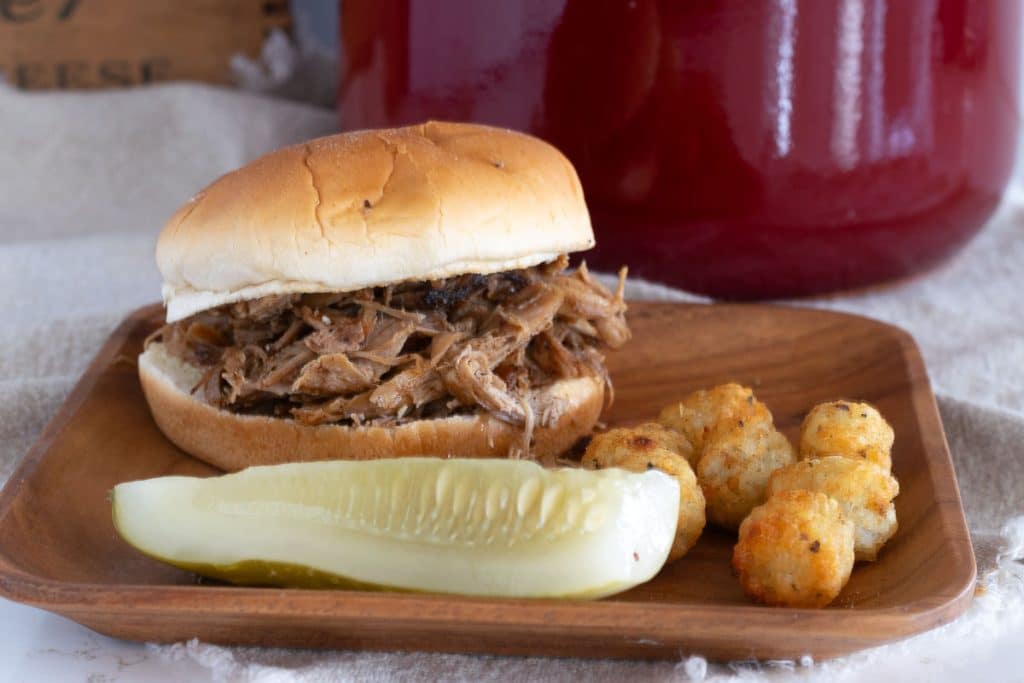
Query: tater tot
[662,436]
[863,490]
[734,470]
[847,428]
[641,449]
[796,550]
[696,415]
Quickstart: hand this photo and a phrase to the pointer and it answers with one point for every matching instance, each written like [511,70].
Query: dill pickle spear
[466,526]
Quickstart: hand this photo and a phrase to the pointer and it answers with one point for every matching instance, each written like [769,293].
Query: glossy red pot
[740,148]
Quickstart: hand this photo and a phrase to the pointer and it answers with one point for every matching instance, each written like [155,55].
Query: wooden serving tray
[59,550]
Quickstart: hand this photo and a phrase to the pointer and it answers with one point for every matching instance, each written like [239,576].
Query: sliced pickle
[473,527]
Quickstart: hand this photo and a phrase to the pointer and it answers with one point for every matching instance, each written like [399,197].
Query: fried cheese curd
[651,446]
[738,460]
[697,415]
[796,550]
[863,490]
[848,428]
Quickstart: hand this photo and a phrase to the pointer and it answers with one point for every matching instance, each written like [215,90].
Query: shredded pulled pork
[418,350]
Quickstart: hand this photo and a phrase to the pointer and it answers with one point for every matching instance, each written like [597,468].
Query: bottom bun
[231,441]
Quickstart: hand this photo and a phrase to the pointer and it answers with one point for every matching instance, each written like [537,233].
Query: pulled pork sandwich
[379,294]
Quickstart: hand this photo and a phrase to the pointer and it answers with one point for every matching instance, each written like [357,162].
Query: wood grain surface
[59,550]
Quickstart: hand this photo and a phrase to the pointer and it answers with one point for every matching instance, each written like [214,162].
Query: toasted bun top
[372,208]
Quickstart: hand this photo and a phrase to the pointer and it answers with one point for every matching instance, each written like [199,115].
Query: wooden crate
[115,43]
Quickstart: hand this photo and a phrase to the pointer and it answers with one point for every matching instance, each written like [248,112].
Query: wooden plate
[59,550]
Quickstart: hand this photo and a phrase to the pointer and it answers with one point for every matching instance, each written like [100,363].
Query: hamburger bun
[372,208]
[231,441]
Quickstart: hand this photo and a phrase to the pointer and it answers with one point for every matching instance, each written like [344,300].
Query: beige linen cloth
[86,181]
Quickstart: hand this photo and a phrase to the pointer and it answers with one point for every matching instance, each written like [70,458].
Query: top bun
[370,208]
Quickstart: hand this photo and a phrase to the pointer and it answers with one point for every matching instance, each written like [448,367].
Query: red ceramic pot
[740,148]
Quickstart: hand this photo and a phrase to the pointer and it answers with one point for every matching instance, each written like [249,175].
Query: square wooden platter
[59,550]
